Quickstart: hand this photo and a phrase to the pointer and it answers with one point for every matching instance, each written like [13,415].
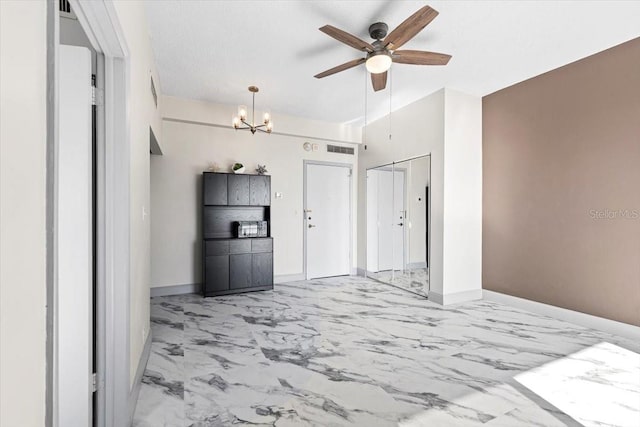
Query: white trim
[359,272]
[582,319]
[51,384]
[99,20]
[137,382]
[286,278]
[229,127]
[414,265]
[455,298]
[163,291]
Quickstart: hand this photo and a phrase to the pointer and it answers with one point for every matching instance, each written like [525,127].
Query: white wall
[189,148]
[22,212]
[447,124]
[463,193]
[142,115]
[417,129]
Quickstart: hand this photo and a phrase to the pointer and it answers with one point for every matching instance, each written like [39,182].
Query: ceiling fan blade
[379,81]
[419,57]
[410,27]
[341,67]
[346,38]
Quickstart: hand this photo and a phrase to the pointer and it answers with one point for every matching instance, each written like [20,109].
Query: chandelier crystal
[240,122]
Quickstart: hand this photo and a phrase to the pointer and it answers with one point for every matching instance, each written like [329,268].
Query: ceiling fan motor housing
[378,30]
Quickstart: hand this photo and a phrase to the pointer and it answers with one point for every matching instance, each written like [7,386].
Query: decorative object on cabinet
[231,204]
[261,169]
[238,168]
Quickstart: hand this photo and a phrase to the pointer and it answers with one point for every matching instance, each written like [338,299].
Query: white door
[74,245]
[327,220]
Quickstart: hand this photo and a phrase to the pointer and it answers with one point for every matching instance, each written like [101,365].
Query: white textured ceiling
[213,50]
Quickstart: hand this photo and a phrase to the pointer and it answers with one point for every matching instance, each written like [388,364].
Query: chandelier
[240,121]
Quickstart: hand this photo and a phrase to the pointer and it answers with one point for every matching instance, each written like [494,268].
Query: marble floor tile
[350,351]
[414,280]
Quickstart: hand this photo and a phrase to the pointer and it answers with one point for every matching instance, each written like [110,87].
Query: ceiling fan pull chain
[390,92]
[366,85]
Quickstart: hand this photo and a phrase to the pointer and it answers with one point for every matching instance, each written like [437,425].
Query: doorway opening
[88,216]
[76,247]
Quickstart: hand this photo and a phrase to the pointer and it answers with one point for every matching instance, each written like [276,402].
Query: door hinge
[94,377]
[97,96]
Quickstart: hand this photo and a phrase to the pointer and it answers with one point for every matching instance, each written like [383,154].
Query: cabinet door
[240,271]
[238,190]
[262,269]
[216,273]
[215,189]
[260,187]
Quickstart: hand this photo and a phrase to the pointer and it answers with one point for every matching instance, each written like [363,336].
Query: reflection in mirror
[398,224]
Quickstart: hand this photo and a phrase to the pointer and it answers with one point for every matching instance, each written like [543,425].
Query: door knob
[311,225]
[401,224]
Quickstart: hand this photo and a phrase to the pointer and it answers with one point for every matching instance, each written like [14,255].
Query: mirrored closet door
[398,224]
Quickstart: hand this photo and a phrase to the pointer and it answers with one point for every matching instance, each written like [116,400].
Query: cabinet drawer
[239,246]
[216,247]
[261,245]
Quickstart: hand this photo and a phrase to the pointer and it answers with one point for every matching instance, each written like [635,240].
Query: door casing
[100,22]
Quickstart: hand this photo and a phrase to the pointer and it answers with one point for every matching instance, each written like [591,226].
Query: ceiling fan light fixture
[378,62]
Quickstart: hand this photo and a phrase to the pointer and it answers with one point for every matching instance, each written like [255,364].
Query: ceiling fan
[382,52]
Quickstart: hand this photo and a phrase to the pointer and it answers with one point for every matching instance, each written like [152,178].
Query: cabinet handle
[311,226]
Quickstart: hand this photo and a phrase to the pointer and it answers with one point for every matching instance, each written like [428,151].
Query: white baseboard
[414,265]
[195,288]
[582,319]
[361,272]
[137,381]
[455,298]
[284,278]
[163,291]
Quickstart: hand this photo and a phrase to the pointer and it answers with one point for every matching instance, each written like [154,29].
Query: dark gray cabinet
[240,271]
[238,190]
[215,188]
[262,269]
[233,265]
[216,276]
[259,190]
[237,264]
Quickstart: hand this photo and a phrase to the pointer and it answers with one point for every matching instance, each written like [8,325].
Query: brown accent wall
[559,151]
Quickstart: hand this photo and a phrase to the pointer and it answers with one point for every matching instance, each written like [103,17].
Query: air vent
[65,9]
[339,149]
[153,92]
